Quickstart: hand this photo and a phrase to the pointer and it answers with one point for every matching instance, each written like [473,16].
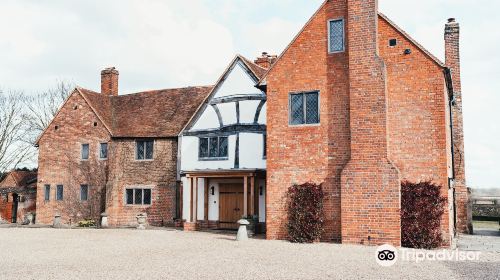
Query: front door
[15,201]
[231,205]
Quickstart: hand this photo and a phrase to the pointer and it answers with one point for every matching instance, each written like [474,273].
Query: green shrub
[87,223]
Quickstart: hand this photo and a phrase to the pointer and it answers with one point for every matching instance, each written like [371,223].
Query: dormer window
[336,36]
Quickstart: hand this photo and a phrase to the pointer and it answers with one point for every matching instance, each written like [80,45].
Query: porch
[217,199]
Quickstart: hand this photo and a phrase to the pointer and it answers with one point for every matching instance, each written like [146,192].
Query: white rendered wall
[189,156]
[248,108]
[237,82]
[228,113]
[263,113]
[252,151]
[207,120]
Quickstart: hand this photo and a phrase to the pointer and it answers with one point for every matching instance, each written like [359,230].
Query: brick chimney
[109,81]
[452,60]
[266,60]
[370,183]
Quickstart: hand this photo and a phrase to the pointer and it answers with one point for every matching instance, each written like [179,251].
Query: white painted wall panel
[263,113]
[228,113]
[186,195]
[208,119]
[237,82]
[252,151]
[247,110]
[189,157]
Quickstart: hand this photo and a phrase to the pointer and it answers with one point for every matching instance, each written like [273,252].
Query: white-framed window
[85,151]
[213,148]
[144,149]
[138,196]
[84,192]
[304,108]
[103,151]
[336,36]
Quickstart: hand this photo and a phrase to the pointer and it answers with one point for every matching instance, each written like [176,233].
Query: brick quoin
[384,119]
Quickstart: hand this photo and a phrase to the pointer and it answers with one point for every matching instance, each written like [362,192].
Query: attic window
[336,36]
[393,42]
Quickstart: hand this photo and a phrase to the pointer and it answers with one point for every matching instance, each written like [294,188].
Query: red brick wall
[158,174]
[416,105]
[417,102]
[6,207]
[315,153]
[59,163]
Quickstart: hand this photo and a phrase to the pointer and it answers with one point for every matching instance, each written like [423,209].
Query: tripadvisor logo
[386,255]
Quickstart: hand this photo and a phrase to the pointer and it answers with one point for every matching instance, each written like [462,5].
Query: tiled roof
[18,179]
[256,69]
[156,113]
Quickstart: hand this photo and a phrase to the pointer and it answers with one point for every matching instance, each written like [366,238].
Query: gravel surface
[44,253]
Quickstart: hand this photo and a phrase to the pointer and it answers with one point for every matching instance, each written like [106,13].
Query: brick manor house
[353,103]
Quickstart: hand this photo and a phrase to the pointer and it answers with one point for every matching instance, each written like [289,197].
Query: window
[59,193]
[304,108]
[213,148]
[103,151]
[393,42]
[138,196]
[336,35]
[84,192]
[144,149]
[47,192]
[85,151]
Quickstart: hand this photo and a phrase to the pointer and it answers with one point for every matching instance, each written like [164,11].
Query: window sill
[144,160]
[213,159]
[138,205]
[305,125]
[103,159]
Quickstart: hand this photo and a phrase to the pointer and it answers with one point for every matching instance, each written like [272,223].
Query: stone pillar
[452,57]
[370,183]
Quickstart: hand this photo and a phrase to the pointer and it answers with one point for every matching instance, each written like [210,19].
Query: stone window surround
[343,35]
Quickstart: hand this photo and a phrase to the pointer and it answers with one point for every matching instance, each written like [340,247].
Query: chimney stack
[266,60]
[452,61]
[109,81]
[370,183]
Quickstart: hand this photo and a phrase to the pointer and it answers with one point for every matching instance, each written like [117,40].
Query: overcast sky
[171,43]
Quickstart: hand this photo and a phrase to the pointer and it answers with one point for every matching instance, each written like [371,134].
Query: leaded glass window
[103,151]
[59,192]
[304,108]
[213,148]
[84,192]
[85,151]
[144,149]
[336,35]
[138,196]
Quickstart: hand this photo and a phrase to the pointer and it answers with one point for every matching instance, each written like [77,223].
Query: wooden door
[230,205]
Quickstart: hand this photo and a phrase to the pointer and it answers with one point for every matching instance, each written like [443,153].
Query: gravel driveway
[167,254]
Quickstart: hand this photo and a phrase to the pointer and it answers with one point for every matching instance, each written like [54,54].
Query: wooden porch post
[195,200]
[252,196]
[245,196]
[191,184]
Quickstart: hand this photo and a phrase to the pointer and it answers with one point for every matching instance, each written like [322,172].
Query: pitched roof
[150,114]
[256,69]
[384,17]
[18,178]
